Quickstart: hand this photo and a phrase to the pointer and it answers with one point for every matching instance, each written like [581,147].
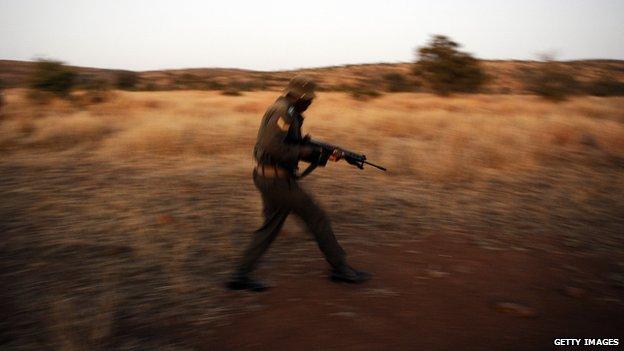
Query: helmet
[301,87]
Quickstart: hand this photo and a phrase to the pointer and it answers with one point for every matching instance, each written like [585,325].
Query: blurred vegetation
[606,86]
[396,82]
[247,85]
[440,68]
[362,92]
[552,80]
[126,80]
[212,84]
[51,78]
[189,81]
[231,91]
[96,90]
[150,86]
[445,69]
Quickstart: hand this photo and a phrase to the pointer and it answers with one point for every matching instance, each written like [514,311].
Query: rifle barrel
[376,166]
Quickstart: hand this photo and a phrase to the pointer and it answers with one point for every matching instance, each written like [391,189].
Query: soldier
[277,152]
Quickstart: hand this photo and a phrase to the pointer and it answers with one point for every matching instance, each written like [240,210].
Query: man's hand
[307,152]
[336,155]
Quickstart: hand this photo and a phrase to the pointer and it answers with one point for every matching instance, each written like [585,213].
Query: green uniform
[277,146]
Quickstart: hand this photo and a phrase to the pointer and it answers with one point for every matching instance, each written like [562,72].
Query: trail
[438,294]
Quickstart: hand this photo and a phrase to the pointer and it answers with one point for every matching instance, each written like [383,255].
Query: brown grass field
[121,220]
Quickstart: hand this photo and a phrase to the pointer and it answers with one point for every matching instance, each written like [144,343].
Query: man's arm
[275,141]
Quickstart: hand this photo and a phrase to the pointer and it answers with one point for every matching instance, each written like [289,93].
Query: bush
[362,93]
[189,81]
[97,90]
[151,86]
[52,77]
[396,82]
[606,86]
[246,85]
[552,81]
[445,69]
[231,91]
[211,84]
[126,80]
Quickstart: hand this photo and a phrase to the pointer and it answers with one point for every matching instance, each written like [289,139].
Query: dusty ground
[499,225]
[439,293]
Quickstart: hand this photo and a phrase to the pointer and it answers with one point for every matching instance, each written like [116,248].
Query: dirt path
[438,294]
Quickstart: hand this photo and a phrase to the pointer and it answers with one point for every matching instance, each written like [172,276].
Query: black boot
[347,274]
[243,282]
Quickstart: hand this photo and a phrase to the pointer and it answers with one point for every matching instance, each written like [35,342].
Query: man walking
[278,149]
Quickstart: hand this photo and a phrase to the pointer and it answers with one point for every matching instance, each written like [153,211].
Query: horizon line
[291,69]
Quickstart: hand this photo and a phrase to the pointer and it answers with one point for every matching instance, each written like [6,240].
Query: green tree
[446,69]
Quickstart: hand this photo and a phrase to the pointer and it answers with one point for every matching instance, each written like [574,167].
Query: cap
[301,87]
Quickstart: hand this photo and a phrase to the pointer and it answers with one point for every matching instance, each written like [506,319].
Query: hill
[504,76]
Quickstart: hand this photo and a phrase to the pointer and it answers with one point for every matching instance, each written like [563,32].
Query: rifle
[327,149]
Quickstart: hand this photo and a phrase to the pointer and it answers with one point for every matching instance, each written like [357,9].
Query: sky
[276,35]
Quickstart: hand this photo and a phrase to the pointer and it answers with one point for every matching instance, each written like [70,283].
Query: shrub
[362,93]
[246,85]
[97,90]
[396,82]
[445,69]
[552,81]
[231,91]
[126,80]
[189,81]
[606,86]
[211,84]
[150,86]
[51,77]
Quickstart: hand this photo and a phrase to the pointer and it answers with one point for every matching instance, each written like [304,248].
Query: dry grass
[120,220]
[417,135]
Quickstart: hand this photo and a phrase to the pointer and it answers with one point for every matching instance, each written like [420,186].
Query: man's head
[300,91]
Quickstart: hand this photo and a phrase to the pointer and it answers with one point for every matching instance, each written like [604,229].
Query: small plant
[246,85]
[51,78]
[97,90]
[606,86]
[231,91]
[126,80]
[151,86]
[189,81]
[551,80]
[363,93]
[446,70]
[211,84]
[396,82]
